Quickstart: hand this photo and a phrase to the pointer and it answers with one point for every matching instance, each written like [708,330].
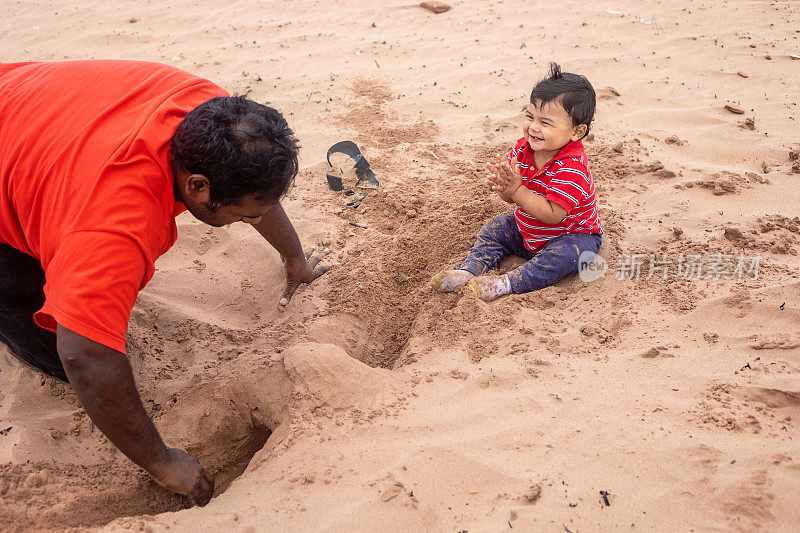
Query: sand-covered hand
[183,474]
[304,272]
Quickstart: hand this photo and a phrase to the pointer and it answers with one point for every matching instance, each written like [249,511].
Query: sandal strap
[366,178]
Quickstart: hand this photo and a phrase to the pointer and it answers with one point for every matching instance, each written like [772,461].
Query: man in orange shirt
[96,160]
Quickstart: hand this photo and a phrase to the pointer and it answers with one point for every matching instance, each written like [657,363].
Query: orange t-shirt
[86,184]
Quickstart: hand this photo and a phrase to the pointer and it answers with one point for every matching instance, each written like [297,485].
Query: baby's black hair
[572,91]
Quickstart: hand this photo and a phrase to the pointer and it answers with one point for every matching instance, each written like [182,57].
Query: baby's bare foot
[488,288]
[450,280]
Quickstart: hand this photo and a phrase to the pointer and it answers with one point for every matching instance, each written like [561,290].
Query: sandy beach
[659,397]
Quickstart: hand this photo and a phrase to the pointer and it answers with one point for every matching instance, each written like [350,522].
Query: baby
[547,177]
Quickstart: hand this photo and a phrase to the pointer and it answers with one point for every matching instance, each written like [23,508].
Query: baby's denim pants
[500,237]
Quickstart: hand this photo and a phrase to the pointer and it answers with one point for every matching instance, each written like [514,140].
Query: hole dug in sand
[223,421]
[226,419]
[221,425]
[232,418]
[236,421]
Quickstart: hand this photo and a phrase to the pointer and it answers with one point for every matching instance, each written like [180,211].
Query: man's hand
[183,474]
[103,381]
[506,179]
[303,271]
[301,266]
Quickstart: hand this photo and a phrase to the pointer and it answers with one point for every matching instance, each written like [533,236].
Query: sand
[371,403]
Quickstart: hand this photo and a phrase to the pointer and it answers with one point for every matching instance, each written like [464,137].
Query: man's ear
[579,132]
[197,187]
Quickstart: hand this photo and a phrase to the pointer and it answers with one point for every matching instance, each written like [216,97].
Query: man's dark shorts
[21,295]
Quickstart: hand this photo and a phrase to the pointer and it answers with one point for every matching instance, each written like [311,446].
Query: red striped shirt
[565,180]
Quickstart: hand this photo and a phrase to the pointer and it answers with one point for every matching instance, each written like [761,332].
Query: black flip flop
[366,178]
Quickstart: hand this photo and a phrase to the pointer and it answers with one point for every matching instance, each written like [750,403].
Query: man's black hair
[241,146]
[572,91]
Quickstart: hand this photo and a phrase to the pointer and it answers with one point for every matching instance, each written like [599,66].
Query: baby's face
[548,127]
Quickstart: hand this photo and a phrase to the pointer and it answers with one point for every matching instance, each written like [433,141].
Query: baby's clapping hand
[505,178]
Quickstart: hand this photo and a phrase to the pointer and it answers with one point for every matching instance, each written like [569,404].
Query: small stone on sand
[607,93]
[533,494]
[733,108]
[650,354]
[392,492]
[436,7]
[794,157]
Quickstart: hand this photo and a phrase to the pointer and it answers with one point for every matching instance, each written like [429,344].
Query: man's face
[245,209]
[196,198]
[548,127]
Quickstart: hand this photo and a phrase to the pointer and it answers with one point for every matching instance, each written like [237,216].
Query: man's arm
[103,380]
[301,267]
[276,227]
